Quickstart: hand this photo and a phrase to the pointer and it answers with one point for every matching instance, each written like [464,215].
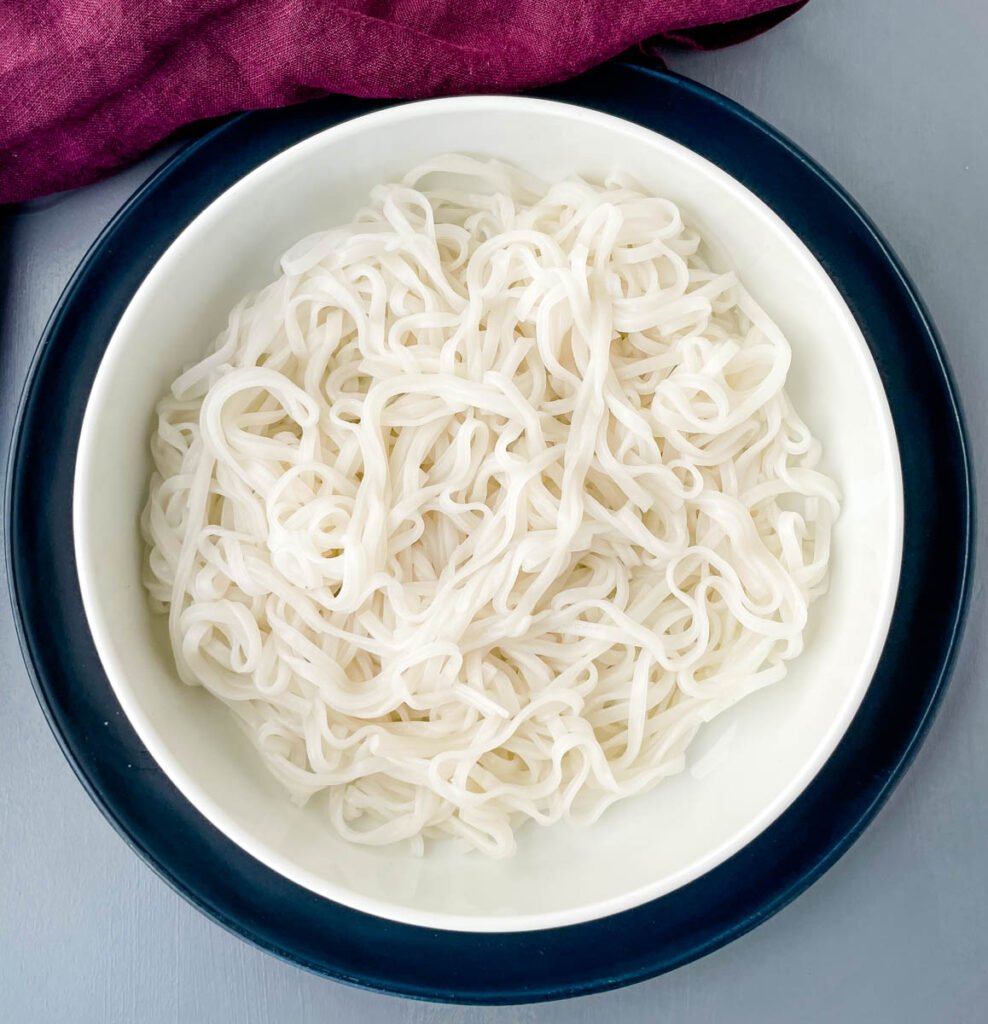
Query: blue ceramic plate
[262,906]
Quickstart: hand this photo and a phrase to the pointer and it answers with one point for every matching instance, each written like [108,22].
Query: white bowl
[746,767]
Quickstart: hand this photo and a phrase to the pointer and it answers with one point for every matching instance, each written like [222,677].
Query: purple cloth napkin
[88,85]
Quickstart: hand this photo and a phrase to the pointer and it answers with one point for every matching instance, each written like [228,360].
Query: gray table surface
[892,97]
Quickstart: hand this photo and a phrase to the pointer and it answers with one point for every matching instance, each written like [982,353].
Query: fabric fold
[87,86]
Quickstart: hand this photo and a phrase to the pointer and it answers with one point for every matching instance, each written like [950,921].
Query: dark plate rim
[475,990]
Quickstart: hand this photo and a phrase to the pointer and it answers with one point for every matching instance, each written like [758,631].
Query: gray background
[892,97]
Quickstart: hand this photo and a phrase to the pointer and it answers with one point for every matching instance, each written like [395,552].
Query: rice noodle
[483,507]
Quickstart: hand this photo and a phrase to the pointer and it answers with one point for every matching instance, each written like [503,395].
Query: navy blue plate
[261,906]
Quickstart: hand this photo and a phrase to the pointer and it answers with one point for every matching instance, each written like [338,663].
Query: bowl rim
[932,654]
[120,349]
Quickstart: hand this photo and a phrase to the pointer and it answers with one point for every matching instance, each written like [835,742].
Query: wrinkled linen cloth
[88,85]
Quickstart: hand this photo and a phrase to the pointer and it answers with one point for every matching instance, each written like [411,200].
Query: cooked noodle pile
[488,502]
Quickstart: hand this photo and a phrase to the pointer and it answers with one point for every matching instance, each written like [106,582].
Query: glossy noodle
[480,510]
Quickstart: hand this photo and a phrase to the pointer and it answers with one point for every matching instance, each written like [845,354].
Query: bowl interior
[745,768]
